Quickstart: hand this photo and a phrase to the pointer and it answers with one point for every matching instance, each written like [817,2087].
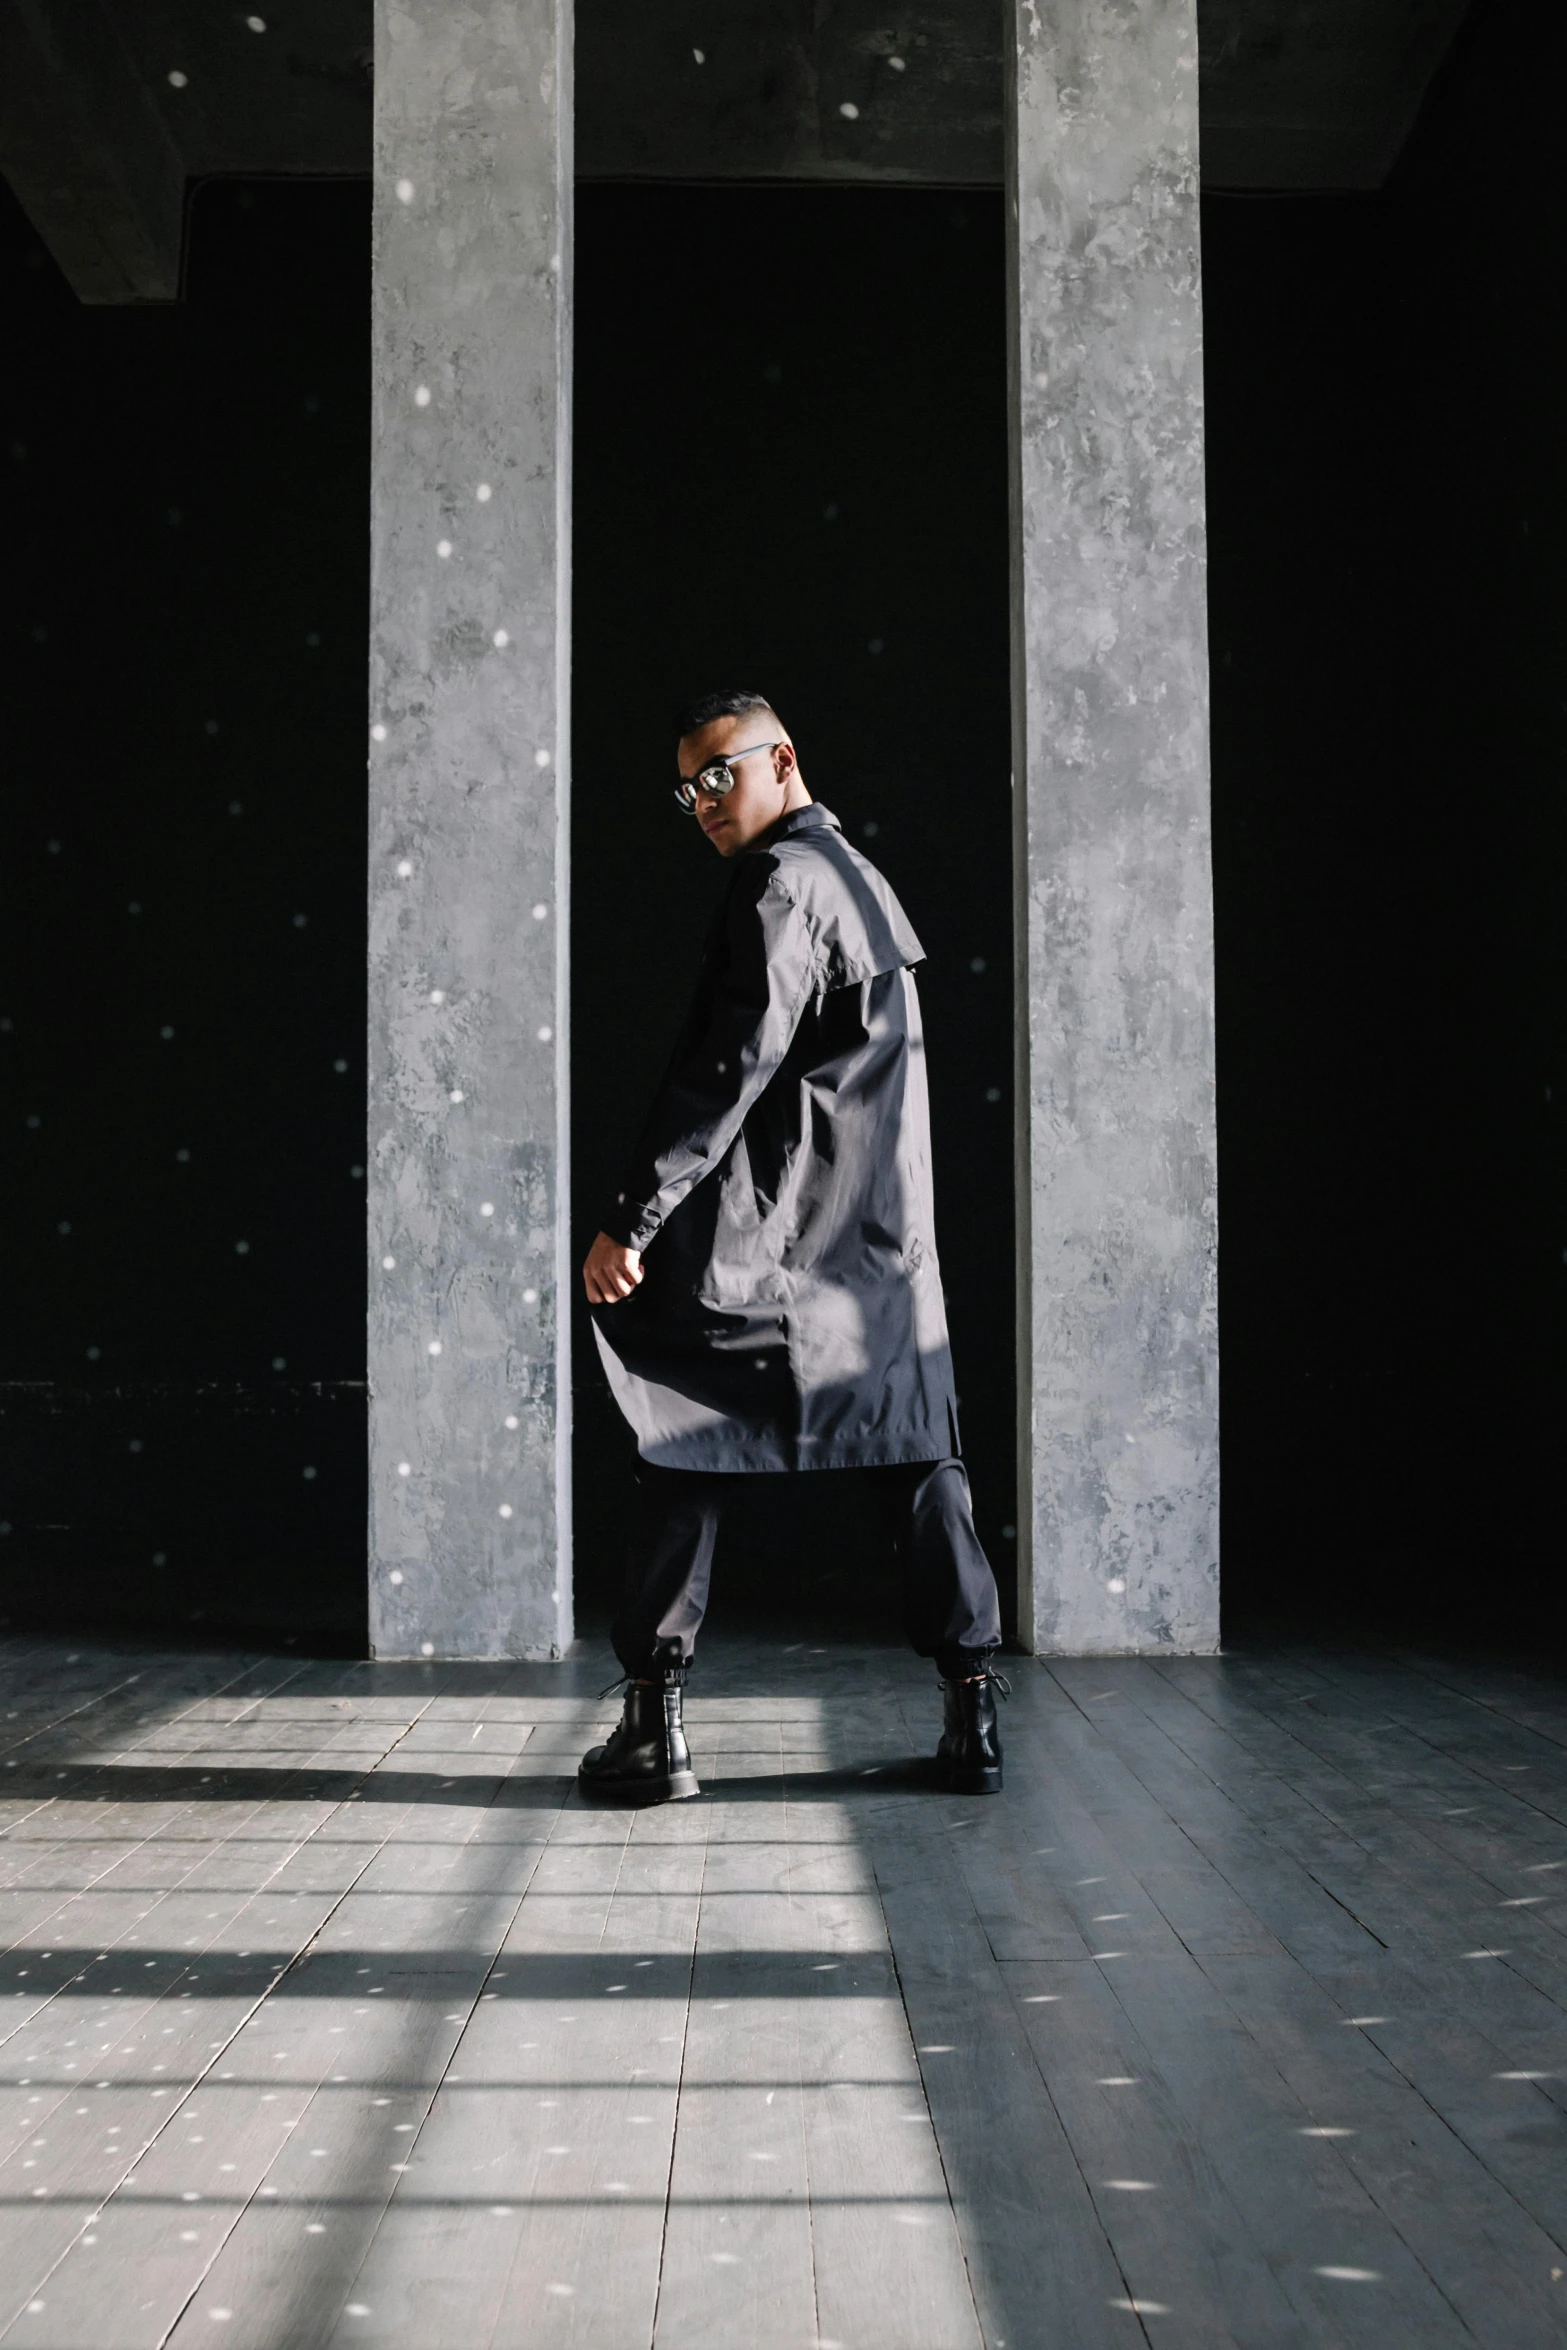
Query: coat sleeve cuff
[629,1222]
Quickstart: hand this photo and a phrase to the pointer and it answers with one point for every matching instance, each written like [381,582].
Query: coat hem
[728,1459]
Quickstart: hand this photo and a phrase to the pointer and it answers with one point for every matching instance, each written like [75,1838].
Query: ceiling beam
[108,111]
[86,153]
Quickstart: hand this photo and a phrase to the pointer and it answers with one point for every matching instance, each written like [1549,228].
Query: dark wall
[183,1013]
[1388,533]
[790,474]
[185,1434]
[187,513]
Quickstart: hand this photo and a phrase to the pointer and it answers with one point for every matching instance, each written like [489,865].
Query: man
[765,1290]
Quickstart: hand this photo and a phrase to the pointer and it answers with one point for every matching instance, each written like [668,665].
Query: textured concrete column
[469,1384]
[1116,1183]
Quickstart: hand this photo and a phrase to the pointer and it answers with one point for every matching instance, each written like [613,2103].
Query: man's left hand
[611,1271]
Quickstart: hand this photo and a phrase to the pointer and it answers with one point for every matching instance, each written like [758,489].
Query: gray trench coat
[790,1314]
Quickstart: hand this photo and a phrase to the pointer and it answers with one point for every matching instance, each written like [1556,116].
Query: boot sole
[981,1782]
[677,1788]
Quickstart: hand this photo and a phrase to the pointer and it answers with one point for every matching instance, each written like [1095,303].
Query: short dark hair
[702,709]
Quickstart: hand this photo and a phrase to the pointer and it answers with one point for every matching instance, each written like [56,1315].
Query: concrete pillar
[470,597]
[1116,1177]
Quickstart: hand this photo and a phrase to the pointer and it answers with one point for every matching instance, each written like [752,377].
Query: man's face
[761,782]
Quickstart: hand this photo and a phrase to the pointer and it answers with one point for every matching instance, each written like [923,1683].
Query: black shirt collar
[813,817]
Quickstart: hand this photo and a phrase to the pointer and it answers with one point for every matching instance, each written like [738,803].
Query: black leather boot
[969,1756]
[646,1759]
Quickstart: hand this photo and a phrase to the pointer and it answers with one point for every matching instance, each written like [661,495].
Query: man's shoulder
[818,858]
[843,898]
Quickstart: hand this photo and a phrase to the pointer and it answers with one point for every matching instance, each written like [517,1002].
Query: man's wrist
[628,1228]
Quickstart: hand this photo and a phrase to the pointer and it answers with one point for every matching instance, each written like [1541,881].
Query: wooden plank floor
[331,2016]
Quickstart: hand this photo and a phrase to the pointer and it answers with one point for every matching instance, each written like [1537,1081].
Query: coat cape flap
[858,929]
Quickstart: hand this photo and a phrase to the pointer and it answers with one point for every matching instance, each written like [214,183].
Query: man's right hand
[611,1271]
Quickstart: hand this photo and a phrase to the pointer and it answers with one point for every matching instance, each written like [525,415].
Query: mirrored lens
[717,779]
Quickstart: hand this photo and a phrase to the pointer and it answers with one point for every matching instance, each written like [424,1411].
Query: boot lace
[997,1681]
[647,1681]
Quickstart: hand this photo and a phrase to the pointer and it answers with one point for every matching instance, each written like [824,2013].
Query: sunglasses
[716,777]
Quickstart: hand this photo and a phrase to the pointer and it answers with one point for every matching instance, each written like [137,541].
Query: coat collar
[813,817]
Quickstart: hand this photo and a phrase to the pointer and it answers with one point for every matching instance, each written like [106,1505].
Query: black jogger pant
[952,1609]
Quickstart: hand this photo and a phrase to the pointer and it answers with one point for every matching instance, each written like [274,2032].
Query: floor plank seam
[1244,1831]
[45,1803]
[202,2079]
[1469,2151]
[953,2208]
[197,1863]
[194,2089]
[373,2240]
[680,2078]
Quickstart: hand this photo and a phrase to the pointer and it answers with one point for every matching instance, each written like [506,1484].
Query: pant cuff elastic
[961,1664]
[663,1663]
